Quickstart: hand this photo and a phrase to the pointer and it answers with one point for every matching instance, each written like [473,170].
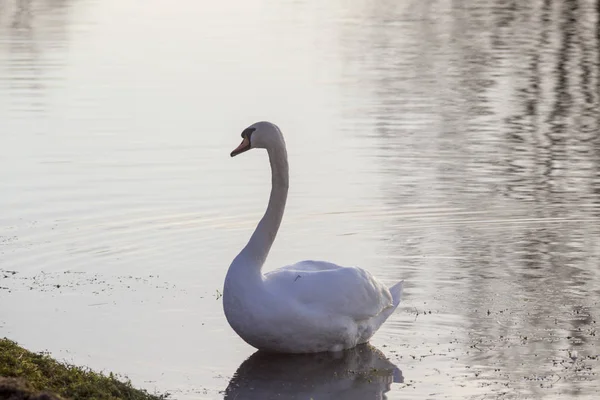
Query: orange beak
[244,146]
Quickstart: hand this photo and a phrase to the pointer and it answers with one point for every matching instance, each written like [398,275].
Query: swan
[307,307]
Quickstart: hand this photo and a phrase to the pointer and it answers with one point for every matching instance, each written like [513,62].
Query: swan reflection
[360,373]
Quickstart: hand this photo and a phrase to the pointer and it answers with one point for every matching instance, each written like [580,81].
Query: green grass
[38,372]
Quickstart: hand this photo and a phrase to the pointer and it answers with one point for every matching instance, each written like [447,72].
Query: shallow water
[451,144]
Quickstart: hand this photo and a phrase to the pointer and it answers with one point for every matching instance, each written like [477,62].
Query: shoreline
[35,376]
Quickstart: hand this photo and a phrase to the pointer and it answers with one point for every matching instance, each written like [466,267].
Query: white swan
[308,307]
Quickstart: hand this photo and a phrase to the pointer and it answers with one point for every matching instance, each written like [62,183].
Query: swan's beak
[244,146]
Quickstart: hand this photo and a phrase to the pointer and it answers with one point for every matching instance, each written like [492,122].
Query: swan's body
[308,307]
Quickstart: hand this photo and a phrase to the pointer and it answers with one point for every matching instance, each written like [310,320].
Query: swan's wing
[330,288]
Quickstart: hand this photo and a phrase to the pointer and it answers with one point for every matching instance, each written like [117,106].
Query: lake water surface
[451,144]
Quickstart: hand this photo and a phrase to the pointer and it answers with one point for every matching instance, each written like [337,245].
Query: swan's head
[261,135]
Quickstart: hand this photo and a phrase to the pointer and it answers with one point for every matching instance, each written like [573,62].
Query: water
[451,144]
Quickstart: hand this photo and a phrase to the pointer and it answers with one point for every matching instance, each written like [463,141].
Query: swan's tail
[396,292]
[377,321]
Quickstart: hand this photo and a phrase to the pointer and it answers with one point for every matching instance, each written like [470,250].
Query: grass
[23,374]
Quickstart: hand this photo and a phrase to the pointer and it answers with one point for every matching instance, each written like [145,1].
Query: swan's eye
[248,132]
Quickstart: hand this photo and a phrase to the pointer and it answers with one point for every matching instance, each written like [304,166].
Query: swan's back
[329,288]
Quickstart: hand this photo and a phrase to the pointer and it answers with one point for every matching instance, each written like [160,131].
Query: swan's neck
[253,256]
